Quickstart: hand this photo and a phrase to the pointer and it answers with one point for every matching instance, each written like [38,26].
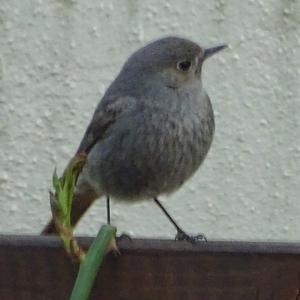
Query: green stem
[92,263]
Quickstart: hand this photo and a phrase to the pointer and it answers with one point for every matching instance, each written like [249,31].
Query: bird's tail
[84,196]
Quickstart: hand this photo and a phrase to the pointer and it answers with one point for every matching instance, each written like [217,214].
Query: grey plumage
[154,125]
[156,130]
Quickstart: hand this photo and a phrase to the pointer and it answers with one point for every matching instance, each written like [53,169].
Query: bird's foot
[124,236]
[182,236]
[119,239]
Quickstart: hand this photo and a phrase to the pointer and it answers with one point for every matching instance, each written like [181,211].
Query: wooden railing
[37,268]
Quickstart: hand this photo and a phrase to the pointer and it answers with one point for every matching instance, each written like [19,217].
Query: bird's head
[176,61]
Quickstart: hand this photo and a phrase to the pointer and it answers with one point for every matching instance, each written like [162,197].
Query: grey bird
[151,131]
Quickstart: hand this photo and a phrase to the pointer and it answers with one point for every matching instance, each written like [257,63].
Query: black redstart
[151,131]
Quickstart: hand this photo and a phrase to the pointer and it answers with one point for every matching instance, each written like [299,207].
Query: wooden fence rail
[36,267]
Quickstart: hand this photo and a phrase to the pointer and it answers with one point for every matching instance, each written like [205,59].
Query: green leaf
[61,199]
[55,181]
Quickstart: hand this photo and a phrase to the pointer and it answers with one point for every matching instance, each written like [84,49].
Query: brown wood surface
[36,267]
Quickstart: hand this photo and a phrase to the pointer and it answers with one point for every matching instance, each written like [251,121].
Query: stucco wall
[58,57]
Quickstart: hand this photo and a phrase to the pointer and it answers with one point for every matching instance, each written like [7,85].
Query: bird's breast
[153,151]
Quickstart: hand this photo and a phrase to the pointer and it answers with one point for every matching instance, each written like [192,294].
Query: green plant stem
[92,263]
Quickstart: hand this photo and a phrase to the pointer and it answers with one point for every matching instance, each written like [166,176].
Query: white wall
[56,60]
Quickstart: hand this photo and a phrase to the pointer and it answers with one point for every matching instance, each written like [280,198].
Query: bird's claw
[124,236]
[182,236]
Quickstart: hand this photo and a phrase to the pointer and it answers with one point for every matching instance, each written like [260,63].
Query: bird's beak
[208,52]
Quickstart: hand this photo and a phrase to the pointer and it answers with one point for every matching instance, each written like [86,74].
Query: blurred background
[58,57]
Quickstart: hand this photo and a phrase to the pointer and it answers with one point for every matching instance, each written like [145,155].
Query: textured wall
[56,60]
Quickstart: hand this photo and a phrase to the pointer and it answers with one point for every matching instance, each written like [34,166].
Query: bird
[151,130]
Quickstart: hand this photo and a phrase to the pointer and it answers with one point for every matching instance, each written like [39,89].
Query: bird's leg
[181,235]
[108,209]
[123,235]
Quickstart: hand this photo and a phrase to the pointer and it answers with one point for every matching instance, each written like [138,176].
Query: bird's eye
[184,65]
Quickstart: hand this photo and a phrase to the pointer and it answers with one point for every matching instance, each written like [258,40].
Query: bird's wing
[106,114]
